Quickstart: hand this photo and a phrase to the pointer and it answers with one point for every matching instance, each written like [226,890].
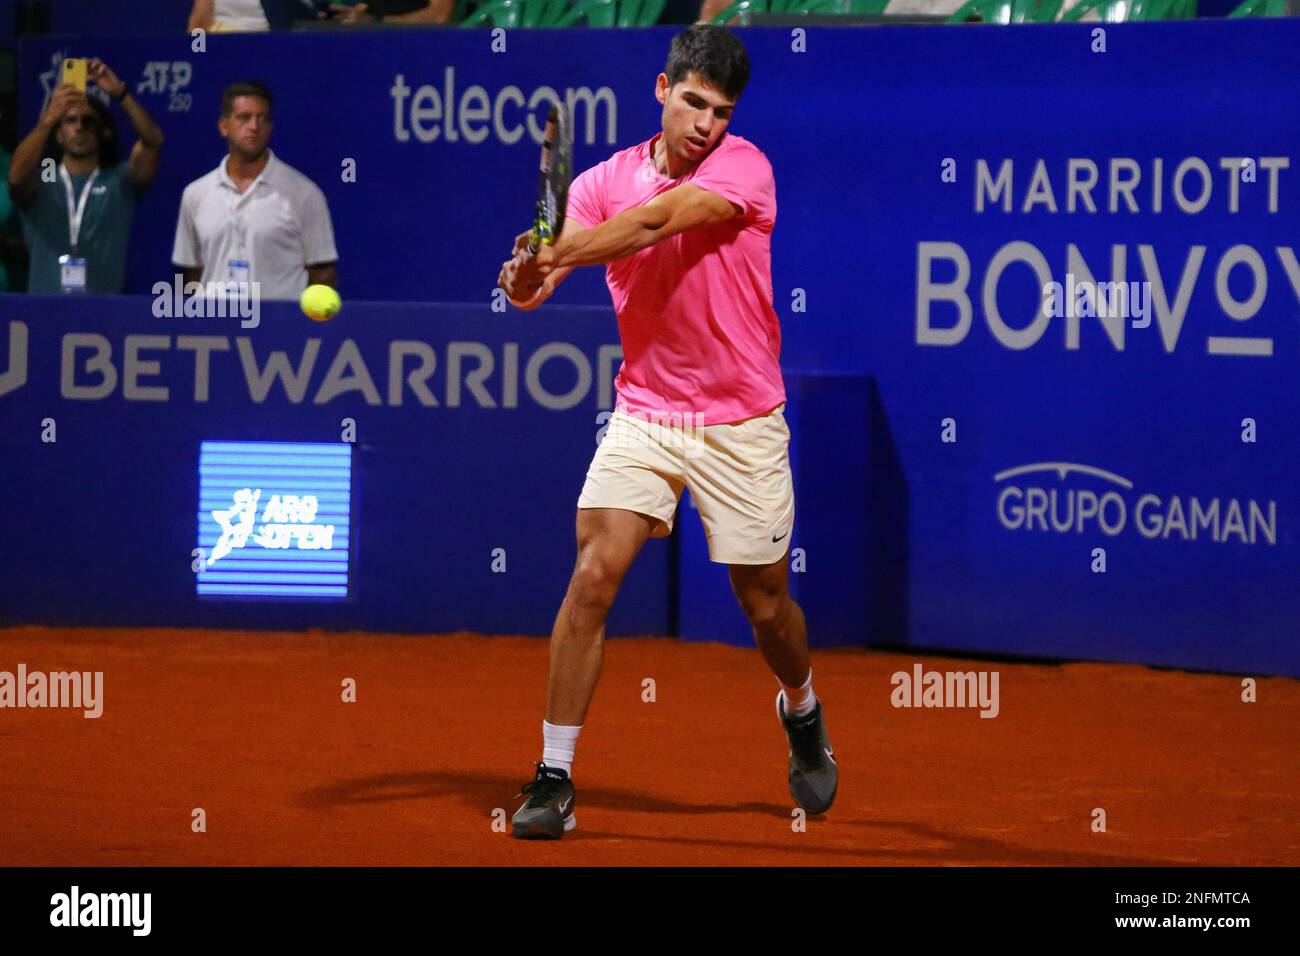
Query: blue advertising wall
[924,181]
[463,509]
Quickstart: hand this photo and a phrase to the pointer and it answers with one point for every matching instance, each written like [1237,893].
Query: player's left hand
[533,268]
[509,280]
[98,72]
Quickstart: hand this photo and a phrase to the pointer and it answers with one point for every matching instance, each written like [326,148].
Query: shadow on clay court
[887,842]
[484,790]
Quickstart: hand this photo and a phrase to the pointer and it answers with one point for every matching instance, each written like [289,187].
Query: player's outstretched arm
[683,207]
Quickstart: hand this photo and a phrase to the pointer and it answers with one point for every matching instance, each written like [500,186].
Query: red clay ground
[250,726]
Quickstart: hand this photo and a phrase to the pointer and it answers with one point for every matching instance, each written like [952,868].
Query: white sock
[799,701]
[558,744]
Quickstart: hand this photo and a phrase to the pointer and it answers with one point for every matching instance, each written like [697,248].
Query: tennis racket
[557,172]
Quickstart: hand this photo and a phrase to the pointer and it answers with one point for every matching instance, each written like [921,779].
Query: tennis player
[683,224]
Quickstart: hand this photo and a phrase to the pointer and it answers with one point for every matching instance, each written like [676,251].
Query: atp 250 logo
[168,78]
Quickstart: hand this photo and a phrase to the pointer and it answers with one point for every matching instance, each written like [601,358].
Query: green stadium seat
[1048,11]
[518,13]
[743,9]
[1008,11]
[615,13]
[1120,11]
[1260,8]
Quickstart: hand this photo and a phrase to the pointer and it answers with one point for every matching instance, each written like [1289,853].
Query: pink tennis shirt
[694,310]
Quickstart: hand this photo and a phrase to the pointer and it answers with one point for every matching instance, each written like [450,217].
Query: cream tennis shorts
[739,477]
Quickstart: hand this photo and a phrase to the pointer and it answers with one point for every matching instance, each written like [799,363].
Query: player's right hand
[522,240]
[64,97]
[509,279]
[506,278]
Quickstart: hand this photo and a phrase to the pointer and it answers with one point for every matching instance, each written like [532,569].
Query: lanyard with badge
[238,269]
[72,268]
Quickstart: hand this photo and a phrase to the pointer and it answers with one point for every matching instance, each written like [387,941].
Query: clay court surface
[251,727]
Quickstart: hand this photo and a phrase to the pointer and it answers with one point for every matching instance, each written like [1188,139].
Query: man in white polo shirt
[254,218]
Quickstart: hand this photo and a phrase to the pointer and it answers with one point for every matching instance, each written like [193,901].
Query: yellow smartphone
[74,72]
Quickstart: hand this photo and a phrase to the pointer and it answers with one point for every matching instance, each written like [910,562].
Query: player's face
[695,116]
[248,127]
[79,132]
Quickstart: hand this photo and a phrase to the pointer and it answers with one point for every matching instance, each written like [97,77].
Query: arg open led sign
[275,519]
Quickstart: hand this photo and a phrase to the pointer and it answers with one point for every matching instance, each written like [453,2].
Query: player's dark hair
[714,54]
[109,151]
[245,88]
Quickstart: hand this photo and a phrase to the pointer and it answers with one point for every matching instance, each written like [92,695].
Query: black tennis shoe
[814,776]
[548,812]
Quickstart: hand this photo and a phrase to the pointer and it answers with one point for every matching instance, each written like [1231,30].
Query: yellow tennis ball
[320,302]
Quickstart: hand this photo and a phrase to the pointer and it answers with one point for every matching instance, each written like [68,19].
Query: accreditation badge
[239,271]
[72,273]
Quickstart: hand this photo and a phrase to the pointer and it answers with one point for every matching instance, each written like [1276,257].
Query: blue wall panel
[105,526]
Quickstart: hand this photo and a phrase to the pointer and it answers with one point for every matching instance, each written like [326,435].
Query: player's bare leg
[782,638]
[779,630]
[608,541]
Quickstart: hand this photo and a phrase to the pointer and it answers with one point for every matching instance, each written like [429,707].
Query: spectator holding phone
[77,209]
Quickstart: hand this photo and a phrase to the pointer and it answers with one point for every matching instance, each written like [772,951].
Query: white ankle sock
[799,701]
[558,745]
